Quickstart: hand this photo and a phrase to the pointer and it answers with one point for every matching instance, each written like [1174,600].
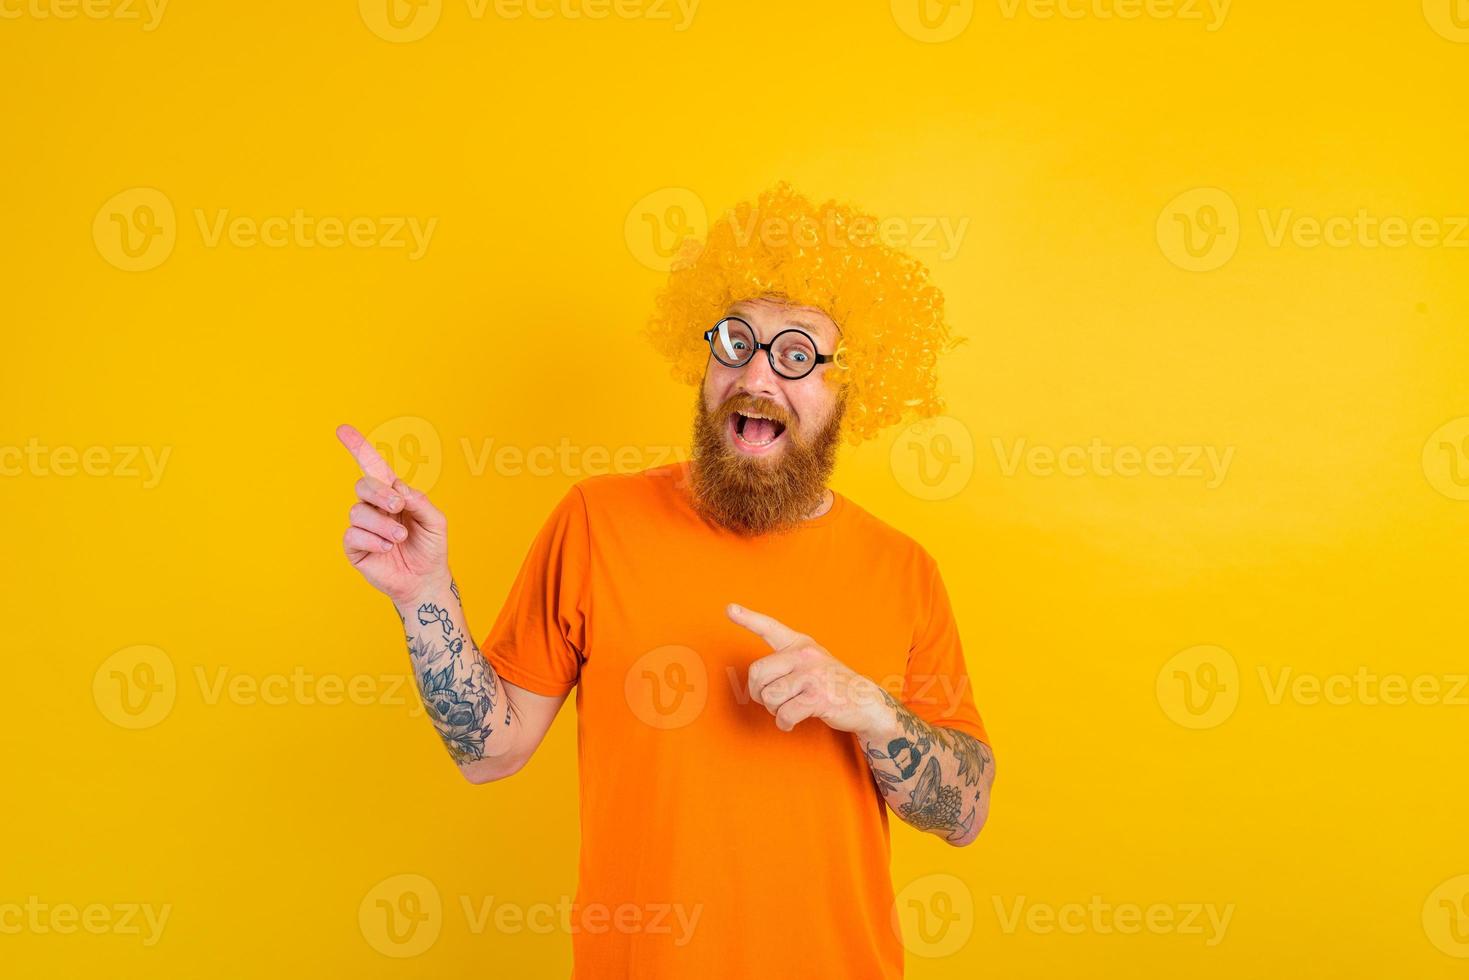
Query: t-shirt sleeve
[936,686]
[539,639]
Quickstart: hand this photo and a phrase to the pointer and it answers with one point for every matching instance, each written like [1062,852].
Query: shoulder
[652,486]
[877,537]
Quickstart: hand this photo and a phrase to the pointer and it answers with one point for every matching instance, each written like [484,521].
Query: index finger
[768,628]
[368,459]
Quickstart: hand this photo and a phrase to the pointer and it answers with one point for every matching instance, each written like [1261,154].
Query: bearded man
[763,670]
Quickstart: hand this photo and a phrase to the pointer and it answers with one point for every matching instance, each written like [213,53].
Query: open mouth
[755,433]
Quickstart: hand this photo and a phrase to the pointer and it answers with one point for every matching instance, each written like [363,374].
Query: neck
[826,501]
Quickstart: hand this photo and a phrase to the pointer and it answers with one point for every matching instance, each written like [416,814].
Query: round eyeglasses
[792,352]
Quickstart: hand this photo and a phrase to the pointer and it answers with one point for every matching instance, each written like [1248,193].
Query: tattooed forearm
[464,699]
[937,779]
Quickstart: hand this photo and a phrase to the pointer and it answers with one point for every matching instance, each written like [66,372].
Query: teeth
[751,442]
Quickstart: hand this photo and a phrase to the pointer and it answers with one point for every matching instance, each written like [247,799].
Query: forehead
[769,316]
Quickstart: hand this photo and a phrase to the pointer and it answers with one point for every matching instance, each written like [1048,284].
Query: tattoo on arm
[459,689]
[930,802]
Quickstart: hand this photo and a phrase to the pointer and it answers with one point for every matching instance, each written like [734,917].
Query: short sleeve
[936,686]
[539,638]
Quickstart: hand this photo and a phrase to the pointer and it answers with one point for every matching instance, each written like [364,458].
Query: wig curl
[783,247]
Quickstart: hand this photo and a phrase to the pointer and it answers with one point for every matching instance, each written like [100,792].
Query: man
[762,669]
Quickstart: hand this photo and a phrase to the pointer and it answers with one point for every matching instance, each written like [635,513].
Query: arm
[398,540]
[936,779]
[490,726]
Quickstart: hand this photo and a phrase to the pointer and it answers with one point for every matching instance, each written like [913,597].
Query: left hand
[801,679]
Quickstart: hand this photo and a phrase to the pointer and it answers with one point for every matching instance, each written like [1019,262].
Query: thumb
[768,628]
[417,505]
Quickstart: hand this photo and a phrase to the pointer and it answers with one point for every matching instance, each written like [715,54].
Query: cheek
[814,404]
[717,385]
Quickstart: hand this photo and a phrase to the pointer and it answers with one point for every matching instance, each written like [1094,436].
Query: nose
[758,378]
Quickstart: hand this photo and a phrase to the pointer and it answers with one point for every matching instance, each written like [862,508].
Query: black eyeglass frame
[769,348]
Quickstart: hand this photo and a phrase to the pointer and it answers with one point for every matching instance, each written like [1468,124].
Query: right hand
[397,539]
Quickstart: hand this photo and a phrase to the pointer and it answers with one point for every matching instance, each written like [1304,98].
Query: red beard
[752,495]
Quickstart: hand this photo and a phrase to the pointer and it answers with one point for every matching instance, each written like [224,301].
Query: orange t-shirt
[713,844]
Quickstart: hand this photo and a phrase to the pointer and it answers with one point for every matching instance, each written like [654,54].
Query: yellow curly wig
[783,247]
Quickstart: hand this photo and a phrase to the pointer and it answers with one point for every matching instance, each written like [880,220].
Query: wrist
[881,715]
[436,589]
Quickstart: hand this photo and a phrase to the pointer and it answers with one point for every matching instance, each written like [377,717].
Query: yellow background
[1334,542]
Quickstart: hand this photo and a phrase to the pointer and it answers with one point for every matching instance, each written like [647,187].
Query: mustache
[749,404]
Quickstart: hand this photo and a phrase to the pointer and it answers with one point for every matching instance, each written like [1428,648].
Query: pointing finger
[372,464]
[768,628]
